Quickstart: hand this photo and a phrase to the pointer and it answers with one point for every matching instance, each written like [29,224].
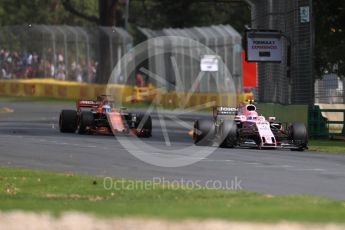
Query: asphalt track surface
[29,137]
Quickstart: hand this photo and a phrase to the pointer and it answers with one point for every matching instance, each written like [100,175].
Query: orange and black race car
[101,117]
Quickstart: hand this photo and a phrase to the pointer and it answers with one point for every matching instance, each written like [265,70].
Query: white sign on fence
[304,14]
[209,63]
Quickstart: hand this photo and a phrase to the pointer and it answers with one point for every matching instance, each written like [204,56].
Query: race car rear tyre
[68,121]
[86,120]
[228,134]
[298,135]
[204,131]
[146,130]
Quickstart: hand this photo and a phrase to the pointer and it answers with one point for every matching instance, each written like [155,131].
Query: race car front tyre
[86,120]
[228,134]
[204,131]
[298,135]
[146,129]
[68,121]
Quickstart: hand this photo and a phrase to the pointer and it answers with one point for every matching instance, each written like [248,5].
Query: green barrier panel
[319,126]
[284,113]
[317,123]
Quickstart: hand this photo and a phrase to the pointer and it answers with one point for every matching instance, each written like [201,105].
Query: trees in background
[157,14]
[329,37]
[149,13]
[18,12]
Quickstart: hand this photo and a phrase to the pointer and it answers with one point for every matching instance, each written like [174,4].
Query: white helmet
[106,108]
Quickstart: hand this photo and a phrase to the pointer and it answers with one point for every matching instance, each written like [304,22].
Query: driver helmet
[106,108]
[252,115]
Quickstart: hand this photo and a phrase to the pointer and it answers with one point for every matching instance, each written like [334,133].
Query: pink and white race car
[243,126]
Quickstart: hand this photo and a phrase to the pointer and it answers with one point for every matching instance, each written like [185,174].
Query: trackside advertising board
[263,46]
[209,63]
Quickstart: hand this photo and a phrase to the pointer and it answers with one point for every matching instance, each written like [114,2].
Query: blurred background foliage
[329,37]
[155,14]
[18,12]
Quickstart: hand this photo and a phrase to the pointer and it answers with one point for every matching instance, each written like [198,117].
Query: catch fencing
[279,83]
[60,52]
[330,90]
[221,41]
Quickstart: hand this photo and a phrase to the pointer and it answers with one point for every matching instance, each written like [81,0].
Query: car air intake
[251,107]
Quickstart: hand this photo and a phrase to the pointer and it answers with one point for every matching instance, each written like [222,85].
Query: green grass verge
[324,145]
[35,190]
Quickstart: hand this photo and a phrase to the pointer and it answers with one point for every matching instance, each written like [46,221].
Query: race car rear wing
[224,110]
[86,104]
